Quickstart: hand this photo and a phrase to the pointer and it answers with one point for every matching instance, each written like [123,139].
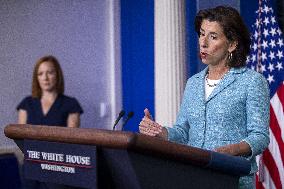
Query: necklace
[208,84]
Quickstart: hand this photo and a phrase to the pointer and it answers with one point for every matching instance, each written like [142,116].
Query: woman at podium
[225,107]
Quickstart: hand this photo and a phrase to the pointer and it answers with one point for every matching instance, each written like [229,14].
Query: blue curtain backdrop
[192,62]
[137,46]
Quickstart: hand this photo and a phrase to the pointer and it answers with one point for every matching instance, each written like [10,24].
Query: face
[46,76]
[213,44]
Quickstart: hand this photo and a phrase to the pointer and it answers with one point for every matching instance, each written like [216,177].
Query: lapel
[200,89]
[228,79]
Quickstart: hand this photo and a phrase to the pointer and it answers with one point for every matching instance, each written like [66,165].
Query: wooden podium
[135,161]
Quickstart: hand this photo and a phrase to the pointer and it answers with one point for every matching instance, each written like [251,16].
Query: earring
[230,57]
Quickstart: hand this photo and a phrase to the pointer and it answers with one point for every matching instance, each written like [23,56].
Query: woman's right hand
[149,127]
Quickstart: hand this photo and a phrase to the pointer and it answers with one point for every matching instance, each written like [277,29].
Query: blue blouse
[57,114]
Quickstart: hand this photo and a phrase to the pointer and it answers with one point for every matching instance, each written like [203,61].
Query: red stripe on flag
[275,128]
[280,93]
[272,168]
[258,184]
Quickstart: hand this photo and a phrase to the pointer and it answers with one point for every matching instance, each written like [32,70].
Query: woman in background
[48,105]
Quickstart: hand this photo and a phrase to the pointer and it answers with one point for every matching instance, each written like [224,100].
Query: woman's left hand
[238,149]
[231,149]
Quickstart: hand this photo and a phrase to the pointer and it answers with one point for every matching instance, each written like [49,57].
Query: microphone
[129,115]
[120,115]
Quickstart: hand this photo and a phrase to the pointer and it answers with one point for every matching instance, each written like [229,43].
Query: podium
[136,161]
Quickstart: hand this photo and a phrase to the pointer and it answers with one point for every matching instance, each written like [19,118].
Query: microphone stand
[129,115]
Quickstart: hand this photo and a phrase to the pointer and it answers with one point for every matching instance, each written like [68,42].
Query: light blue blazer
[237,110]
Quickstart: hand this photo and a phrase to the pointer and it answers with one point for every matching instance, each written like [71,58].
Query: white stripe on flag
[268,182]
[278,109]
[275,152]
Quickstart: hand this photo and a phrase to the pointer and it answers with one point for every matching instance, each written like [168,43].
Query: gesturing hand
[149,127]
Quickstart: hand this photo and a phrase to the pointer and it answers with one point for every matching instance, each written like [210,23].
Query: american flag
[267,57]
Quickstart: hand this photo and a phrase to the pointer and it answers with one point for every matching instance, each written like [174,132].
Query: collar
[226,81]
[239,70]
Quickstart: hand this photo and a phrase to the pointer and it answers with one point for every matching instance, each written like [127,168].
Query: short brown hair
[233,27]
[36,90]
